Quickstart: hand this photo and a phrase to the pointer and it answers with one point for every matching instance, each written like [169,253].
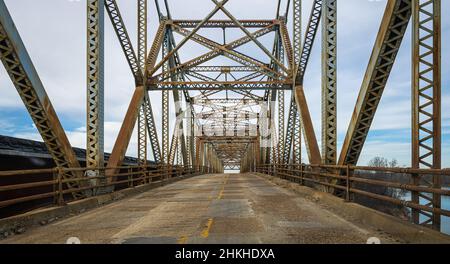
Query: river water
[445,221]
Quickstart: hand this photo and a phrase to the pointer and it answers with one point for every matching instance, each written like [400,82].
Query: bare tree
[380,162]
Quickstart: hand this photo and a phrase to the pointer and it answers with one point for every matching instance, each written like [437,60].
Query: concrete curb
[20,223]
[396,227]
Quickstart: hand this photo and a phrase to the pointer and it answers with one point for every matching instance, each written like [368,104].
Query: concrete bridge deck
[219,208]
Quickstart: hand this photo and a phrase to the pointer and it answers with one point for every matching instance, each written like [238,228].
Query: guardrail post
[147,174]
[301,174]
[60,200]
[130,177]
[347,183]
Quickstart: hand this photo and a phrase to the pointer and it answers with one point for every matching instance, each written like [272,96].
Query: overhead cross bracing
[233,95]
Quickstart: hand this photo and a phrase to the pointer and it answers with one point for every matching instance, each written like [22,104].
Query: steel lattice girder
[123,139]
[230,149]
[186,39]
[95,84]
[218,85]
[297,125]
[173,144]
[287,47]
[223,23]
[124,39]
[186,151]
[281,125]
[389,38]
[307,126]
[125,133]
[221,6]
[291,121]
[329,82]
[308,43]
[226,101]
[136,63]
[25,78]
[223,69]
[426,104]
[310,36]
[177,96]
[142,54]
[213,54]
[165,108]
[231,54]
[151,127]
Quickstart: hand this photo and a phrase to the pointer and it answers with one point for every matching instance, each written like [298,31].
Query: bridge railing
[348,181]
[24,190]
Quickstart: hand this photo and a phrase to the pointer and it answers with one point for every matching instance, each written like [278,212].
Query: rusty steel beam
[287,46]
[245,30]
[291,121]
[426,105]
[174,144]
[223,69]
[125,133]
[95,84]
[119,27]
[142,54]
[151,129]
[165,109]
[297,124]
[387,44]
[312,146]
[177,97]
[155,48]
[310,36]
[126,130]
[329,82]
[222,23]
[25,78]
[137,63]
[218,6]
[219,83]
[281,125]
[213,54]
[308,43]
[231,54]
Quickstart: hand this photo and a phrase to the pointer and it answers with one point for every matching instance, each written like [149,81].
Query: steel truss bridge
[235,111]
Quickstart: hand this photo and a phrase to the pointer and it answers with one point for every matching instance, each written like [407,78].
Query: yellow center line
[223,188]
[205,232]
[182,240]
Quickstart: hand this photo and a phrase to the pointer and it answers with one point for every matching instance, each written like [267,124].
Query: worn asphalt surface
[218,208]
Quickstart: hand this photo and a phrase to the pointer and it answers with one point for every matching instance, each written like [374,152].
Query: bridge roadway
[220,208]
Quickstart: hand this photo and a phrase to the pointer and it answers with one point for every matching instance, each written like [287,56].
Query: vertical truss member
[165,106]
[281,113]
[174,144]
[271,139]
[25,78]
[95,84]
[297,131]
[142,53]
[426,104]
[289,131]
[311,31]
[329,83]
[181,149]
[191,138]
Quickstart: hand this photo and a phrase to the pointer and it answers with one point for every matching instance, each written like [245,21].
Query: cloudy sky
[54,32]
